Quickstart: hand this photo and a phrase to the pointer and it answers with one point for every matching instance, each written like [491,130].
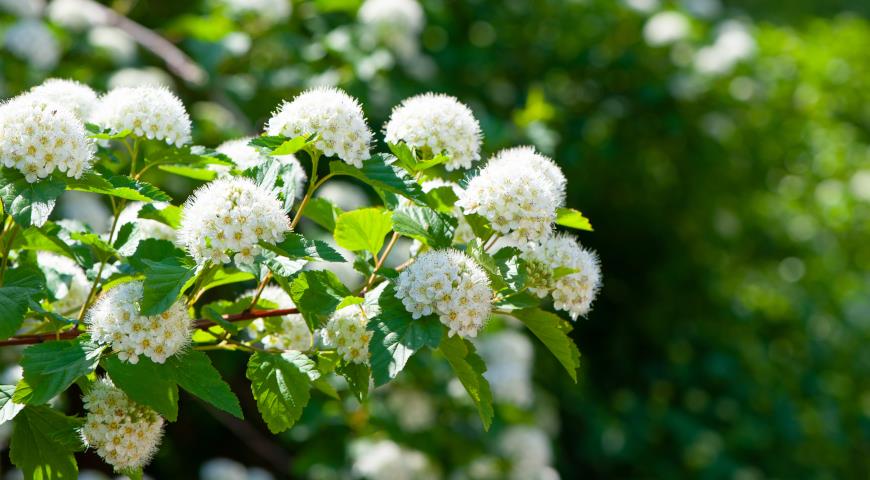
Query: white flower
[230,216]
[38,138]
[413,409]
[30,40]
[450,284]
[434,124]
[518,199]
[140,77]
[76,97]
[270,11]
[665,28]
[529,451]
[508,355]
[393,18]
[150,112]
[75,14]
[346,331]
[526,157]
[574,292]
[70,285]
[333,115]
[733,43]
[387,460]
[143,227]
[246,156]
[23,8]
[289,332]
[115,319]
[124,433]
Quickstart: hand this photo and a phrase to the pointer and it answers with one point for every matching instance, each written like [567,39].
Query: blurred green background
[721,150]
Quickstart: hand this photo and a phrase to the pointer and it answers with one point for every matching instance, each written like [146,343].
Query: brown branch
[201,324]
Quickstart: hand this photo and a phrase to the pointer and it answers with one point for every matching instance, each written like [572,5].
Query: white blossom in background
[140,77]
[76,97]
[117,43]
[527,157]
[397,23]
[38,138]
[530,453]
[230,216]
[23,8]
[508,355]
[413,409]
[345,195]
[733,43]
[435,123]
[124,433]
[387,460]
[574,292]
[76,15]
[143,228]
[86,208]
[334,116]
[70,286]
[226,469]
[269,11]
[665,28]
[291,333]
[519,201]
[346,332]
[246,156]
[115,320]
[33,42]
[450,284]
[149,112]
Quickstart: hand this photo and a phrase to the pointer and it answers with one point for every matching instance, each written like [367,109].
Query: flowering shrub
[124,315]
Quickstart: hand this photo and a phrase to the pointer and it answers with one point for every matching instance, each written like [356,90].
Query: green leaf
[442,199]
[51,367]
[479,225]
[560,272]
[163,285]
[13,306]
[290,146]
[363,229]
[43,442]
[316,294]
[195,173]
[469,369]
[379,172]
[221,276]
[568,217]
[215,316]
[489,265]
[99,246]
[511,267]
[8,408]
[170,214]
[280,387]
[195,373]
[295,245]
[146,382]
[552,331]
[154,250]
[106,134]
[358,376]
[424,224]
[119,186]
[322,212]
[396,336]
[28,203]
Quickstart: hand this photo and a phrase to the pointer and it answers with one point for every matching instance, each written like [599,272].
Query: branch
[200,324]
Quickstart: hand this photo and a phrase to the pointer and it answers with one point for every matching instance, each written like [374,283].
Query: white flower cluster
[71,285]
[334,116]
[574,292]
[508,355]
[32,41]
[346,331]
[434,124]
[387,460]
[124,433]
[39,137]
[149,112]
[516,195]
[246,156]
[230,216]
[115,319]
[529,451]
[414,409]
[291,333]
[392,17]
[144,227]
[76,97]
[450,284]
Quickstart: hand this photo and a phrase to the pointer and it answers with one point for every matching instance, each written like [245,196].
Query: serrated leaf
[118,186]
[164,282]
[51,367]
[28,203]
[552,331]
[154,250]
[363,229]
[196,173]
[146,382]
[511,267]
[316,294]
[13,306]
[170,214]
[100,247]
[195,373]
[322,212]
[424,224]
[568,217]
[8,408]
[469,369]
[295,245]
[43,442]
[379,172]
[290,147]
[358,376]
[280,388]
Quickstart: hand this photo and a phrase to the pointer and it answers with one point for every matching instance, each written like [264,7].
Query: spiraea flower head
[520,157]
[246,156]
[76,97]
[346,332]
[154,113]
[450,284]
[434,123]
[144,228]
[115,319]
[38,137]
[124,433]
[289,332]
[334,116]
[70,284]
[402,17]
[573,292]
[230,216]
[519,201]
